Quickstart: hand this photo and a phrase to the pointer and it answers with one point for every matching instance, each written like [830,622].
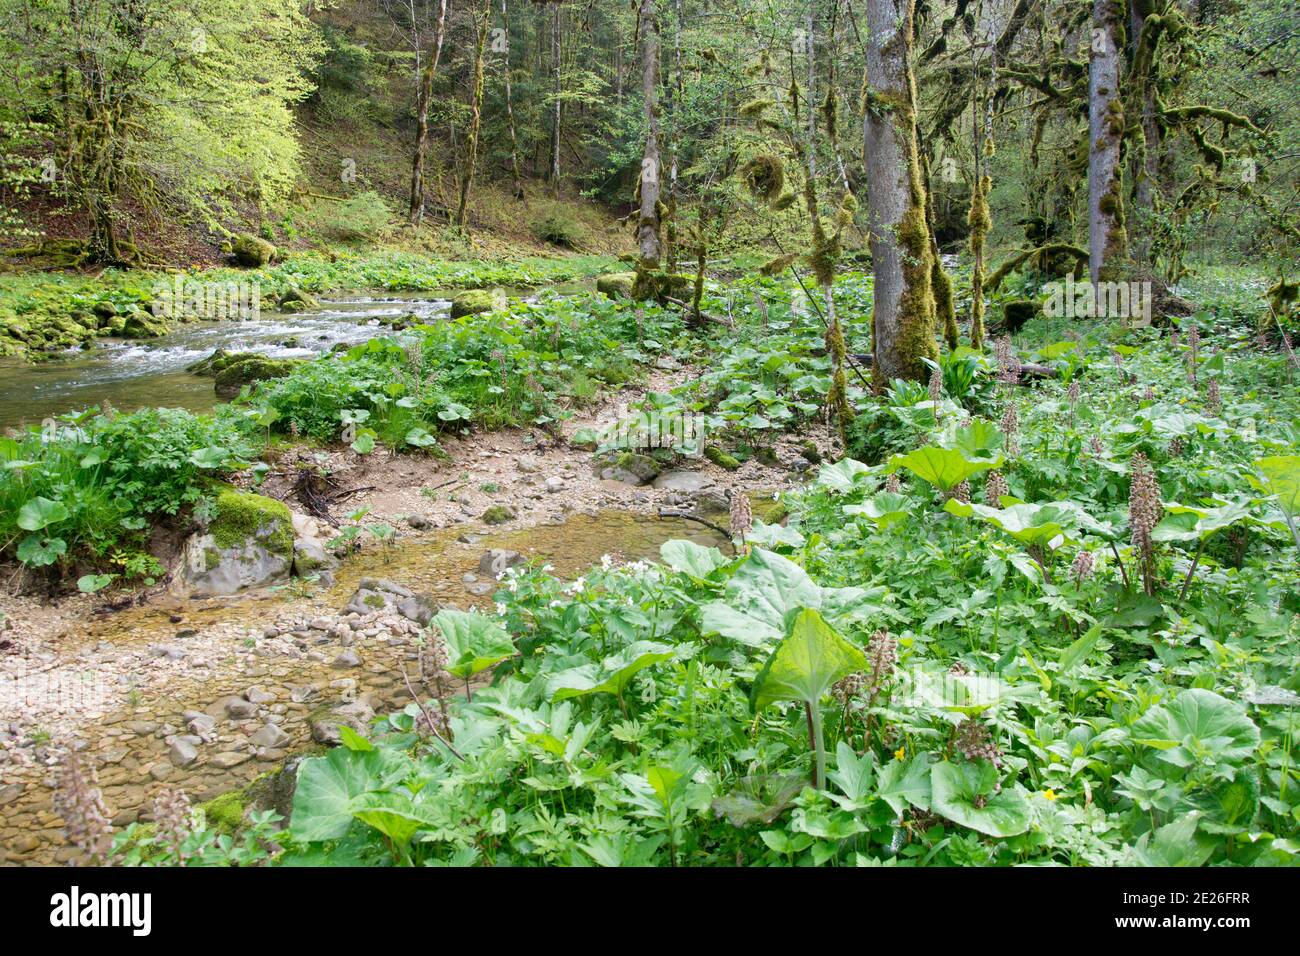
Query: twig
[1120,561]
[433,728]
[708,524]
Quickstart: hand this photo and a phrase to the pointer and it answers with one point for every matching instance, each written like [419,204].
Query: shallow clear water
[135,373]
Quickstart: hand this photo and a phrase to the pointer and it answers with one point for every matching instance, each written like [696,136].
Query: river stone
[182,753]
[347,659]
[496,560]
[631,469]
[310,551]
[690,482]
[241,709]
[380,594]
[255,695]
[249,544]
[10,793]
[553,484]
[229,760]
[201,725]
[356,715]
[270,737]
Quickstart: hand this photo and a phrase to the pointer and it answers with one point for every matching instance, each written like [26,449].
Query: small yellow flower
[900,753]
[1049,794]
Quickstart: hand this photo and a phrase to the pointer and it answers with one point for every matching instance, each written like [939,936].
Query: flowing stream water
[133,373]
[125,743]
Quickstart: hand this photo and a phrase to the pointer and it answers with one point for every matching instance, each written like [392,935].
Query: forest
[670,433]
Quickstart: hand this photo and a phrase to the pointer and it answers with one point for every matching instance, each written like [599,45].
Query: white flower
[501,609]
[576,587]
[513,586]
[548,568]
[606,562]
[554,604]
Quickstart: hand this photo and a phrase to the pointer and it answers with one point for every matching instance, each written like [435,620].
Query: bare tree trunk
[516,177]
[476,117]
[903,316]
[555,125]
[1107,240]
[416,211]
[649,240]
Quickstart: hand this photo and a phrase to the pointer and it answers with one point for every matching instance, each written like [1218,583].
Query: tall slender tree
[415,211]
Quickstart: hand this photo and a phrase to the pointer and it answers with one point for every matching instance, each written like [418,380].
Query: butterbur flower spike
[1081,569]
[173,820]
[994,489]
[81,804]
[1144,512]
[742,515]
[893,485]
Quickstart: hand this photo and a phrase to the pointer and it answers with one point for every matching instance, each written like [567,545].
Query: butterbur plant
[995,487]
[1144,512]
[80,802]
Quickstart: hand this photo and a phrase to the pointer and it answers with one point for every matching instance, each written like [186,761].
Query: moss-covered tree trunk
[423,99]
[648,232]
[1107,239]
[470,160]
[903,298]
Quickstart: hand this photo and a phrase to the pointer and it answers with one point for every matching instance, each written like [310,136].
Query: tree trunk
[648,236]
[555,119]
[1107,240]
[516,177]
[416,210]
[476,117]
[1146,158]
[903,314]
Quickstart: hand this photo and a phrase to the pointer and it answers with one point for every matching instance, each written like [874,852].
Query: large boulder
[249,544]
[251,251]
[474,302]
[616,284]
[257,368]
[143,325]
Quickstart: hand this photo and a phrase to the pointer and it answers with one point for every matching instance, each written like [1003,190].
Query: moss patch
[241,516]
[225,813]
[721,458]
[473,302]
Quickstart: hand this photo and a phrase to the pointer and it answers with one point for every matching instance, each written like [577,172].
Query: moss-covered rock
[660,286]
[498,514]
[630,468]
[295,300]
[225,813]
[616,285]
[721,458]
[473,302]
[251,251]
[236,375]
[248,544]
[217,361]
[144,325]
